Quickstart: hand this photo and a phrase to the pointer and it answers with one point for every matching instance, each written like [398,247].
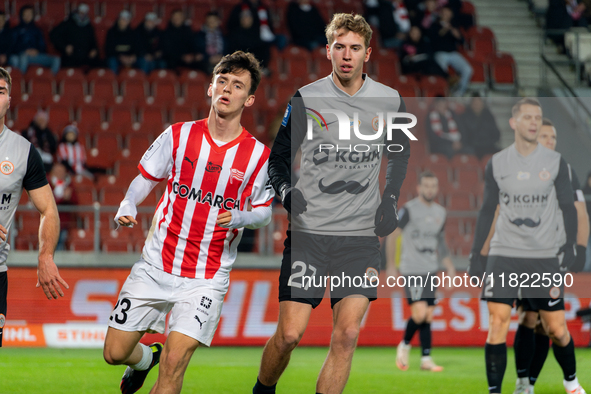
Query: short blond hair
[355,23]
[524,101]
[6,76]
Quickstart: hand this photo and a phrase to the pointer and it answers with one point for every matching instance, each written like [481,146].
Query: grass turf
[234,370]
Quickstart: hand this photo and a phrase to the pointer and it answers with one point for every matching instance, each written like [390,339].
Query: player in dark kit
[21,168]
[531,185]
[333,218]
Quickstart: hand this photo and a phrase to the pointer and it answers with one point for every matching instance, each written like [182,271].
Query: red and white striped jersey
[203,180]
[73,154]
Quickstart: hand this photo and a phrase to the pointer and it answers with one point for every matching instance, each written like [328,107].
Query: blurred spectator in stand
[63,191]
[587,193]
[479,127]
[5,39]
[261,23]
[427,15]
[41,137]
[211,42]
[178,47]
[416,55]
[445,38]
[464,21]
[394,23]
[372,12]
[443,131]
[561,15]
[28,44]
[305,24]
[75,39]
[121,46]
[148,36]
[71,153]
[246,37]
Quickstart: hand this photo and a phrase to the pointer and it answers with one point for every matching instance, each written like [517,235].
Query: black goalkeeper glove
[293,200]
[477,265]
[386,219]
[574,258]
[569,258]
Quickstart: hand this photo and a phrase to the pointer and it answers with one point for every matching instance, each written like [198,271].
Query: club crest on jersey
[544,175]
[555,292]
[213,167]
[6,167]
[375,123]
[2,320]
[236,175]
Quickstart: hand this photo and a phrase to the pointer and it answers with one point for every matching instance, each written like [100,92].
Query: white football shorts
[149,294]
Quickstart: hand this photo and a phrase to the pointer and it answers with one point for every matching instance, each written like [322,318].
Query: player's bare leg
[347,316]
[174,360]
[496,347]
[293,319]
[122,347]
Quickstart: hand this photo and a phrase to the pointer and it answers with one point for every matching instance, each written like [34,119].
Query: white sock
[425,358]
[571,385]
[146,359]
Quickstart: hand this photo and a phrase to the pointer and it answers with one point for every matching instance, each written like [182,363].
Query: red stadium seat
[464,161]
[71,85]
[59,117]
[433,86]
[460,201]
[480,77]
[90,118]
[181,114]
[86,194]
[24,114]
[81,240]
[503,71]
[478,31]
[55,10]
[104,152]
[112,196]
[134,91]
[141,7]
[112,8]
[121,119]
[468,8]
[482,47]
[152,119]
[136,145]
[163,91]
[126,170]
[467,177]
[194,87]
[407,86]
[298,65]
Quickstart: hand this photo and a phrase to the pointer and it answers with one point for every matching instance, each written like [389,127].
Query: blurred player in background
[21,168]
[530,183]
[422,226]
[527,362]
[325,241]
[217,184]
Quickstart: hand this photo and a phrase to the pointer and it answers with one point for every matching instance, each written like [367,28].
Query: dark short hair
[426,174]
[238,61]
[524,101]
[6,76]
[547,122]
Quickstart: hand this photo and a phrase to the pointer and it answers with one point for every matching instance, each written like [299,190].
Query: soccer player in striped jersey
[217,184]
[21,168]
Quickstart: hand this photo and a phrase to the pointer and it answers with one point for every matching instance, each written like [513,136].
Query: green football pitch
[234,369]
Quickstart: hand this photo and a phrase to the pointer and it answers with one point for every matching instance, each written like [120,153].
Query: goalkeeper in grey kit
[335,210]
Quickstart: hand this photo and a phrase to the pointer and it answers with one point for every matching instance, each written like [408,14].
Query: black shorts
[419,290]
[312,263]
[544,304]
[3,296]
[521,278]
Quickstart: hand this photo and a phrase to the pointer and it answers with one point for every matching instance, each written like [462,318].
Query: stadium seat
[71,86]
[468,8]
[112,196]
[111,9]
[55,10]
[126,170]
[194,88]
[24,114]
[104,152]
[90,118]
[503,71]
[297,65]
[433,86]
[460,201]
[164,91]
[86,194]
[407,86]
[136,144]
[480,77]
[482,47]
[141,7]
[478,31]
[134,91]
[464,161]
[40,84]
[181,114]
[59,117]
[152,119]
[121,119]
[467,177]
[81,240]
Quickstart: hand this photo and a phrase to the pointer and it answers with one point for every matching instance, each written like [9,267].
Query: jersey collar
[220,149]
[362,89]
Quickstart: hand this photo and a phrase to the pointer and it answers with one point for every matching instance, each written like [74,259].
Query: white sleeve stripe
[580,195]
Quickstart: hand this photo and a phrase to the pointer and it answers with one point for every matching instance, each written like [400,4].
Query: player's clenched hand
[293,200]
[127,221]
[49,279]
[224,219]
[386,219]
[3,232]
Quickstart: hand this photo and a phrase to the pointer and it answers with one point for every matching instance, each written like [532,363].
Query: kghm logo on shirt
[216,201]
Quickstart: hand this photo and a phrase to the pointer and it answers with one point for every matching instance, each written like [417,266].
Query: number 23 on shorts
[121,315]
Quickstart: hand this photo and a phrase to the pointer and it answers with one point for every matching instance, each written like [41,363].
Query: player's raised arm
[48,276]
